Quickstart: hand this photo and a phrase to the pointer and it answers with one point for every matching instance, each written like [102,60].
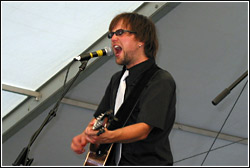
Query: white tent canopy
[40,38]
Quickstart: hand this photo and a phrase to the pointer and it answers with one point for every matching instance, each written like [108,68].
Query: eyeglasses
[118,33]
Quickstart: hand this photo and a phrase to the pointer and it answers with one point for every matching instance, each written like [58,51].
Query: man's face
[125,46]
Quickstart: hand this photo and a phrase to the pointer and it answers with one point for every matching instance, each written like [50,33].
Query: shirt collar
[136,71]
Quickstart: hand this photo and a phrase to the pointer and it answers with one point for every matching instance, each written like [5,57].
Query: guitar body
[94,159]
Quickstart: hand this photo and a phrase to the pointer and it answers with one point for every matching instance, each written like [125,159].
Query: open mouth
[117,49]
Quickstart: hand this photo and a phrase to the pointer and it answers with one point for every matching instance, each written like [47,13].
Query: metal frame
[178,126]
[22,91]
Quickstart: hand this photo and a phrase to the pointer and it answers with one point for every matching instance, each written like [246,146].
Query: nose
[114,38]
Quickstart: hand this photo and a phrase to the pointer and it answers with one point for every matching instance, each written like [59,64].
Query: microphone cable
[64,87]
[211,150]
[224,123]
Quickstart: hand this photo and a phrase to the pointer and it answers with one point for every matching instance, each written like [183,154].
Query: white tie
[121,91]
[118,103]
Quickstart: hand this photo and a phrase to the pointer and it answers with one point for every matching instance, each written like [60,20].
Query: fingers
[91,136]
[90,132]
[78,144]
[92,122]
[81,140]
[77,149]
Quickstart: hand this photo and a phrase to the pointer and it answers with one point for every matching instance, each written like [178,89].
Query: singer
[141,95]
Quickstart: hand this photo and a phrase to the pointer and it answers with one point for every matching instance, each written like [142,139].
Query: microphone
[107,51]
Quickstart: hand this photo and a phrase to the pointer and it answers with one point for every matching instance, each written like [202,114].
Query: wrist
[116,135]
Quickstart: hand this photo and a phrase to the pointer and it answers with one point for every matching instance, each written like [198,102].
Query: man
[144,138]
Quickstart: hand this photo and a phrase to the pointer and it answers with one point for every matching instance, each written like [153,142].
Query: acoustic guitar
[98,153]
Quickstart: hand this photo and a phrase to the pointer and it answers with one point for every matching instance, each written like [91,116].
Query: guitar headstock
[99,122]
[103,120]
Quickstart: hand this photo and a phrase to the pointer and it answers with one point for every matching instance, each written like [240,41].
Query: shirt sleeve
[156,100]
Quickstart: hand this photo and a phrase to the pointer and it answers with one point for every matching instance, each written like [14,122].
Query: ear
[140,44]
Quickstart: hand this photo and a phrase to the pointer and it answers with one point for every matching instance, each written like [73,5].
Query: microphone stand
[22,158]
[226,91]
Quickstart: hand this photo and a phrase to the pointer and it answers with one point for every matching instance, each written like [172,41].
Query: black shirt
[156,107]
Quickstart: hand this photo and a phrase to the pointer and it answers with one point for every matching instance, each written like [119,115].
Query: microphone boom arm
[226,91]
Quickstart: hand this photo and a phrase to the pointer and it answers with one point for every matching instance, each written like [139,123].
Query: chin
[119,62]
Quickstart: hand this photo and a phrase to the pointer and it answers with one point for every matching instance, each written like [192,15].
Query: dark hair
[144,27]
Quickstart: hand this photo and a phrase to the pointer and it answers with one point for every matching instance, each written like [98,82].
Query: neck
[137,62]
[137,59]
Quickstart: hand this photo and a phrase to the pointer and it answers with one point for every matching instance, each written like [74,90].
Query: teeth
[117,49]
